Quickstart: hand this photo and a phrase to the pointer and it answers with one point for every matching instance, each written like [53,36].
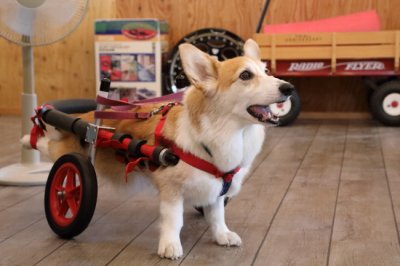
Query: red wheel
[65,194]
[71,195]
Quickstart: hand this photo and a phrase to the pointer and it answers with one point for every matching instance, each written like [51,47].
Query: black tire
[376,103]
[83,196]
[294,111]
[201,211]
[227,44]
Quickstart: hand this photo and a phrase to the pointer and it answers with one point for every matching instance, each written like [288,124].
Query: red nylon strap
[203,164]
[196,162]
[121,106]
[160,125]
[38,128]
[110,102]
[121,115]
[188,157]
[131,166]
[36,133]
[175,97]
[158,130]
[229,176]
[115,144]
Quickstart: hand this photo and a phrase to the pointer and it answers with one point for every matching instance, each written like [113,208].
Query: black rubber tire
[203,39]
[201,211]
[88,196]
[376,103]
[294,110]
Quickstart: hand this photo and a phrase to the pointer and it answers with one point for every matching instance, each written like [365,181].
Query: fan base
[25,174]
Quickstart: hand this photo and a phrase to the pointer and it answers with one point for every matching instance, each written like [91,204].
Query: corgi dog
[221,120]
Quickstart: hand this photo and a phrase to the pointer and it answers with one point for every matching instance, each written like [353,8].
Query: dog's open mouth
[263,113]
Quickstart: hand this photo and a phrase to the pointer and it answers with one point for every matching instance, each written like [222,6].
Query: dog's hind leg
[215,216]
[171,223]
[42,144]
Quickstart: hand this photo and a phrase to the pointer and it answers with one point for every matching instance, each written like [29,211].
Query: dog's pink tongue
[262,111]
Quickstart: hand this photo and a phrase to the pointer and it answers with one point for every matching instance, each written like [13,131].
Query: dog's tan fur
[214,113]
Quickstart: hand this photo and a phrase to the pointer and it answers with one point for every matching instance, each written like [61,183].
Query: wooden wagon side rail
[330,46]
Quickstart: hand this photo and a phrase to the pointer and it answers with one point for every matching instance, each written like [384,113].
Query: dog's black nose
[286,89]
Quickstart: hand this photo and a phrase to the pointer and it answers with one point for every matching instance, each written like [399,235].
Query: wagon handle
[263,13]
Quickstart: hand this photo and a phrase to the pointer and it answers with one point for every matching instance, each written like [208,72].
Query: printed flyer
[129,53]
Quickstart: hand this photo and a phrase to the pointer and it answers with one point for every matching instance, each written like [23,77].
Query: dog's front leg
[171,223]
[215,216]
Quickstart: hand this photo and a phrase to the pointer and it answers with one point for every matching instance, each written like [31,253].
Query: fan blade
[39,22]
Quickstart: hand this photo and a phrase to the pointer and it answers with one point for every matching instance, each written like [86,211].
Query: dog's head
[240,85]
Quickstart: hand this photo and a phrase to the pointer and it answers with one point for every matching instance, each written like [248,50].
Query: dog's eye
[246,75]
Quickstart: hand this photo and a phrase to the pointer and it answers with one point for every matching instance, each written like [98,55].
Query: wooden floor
[321,193]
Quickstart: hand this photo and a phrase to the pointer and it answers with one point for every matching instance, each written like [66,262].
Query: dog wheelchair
[71,188]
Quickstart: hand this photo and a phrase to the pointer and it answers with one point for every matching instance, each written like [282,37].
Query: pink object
[363,21]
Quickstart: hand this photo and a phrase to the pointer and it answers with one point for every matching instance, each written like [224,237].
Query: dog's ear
[200,68]
[252,50]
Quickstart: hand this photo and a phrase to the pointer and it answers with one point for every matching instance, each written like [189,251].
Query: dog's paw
[228,238]
[26,142]
[170,250]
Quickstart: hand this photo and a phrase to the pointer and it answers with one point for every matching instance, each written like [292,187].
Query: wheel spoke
[73,206]
[74,191]
[63,208]
[70,180]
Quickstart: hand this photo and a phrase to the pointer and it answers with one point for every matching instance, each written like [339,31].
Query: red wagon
[372,55]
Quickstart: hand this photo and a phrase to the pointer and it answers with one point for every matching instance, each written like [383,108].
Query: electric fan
[31,23]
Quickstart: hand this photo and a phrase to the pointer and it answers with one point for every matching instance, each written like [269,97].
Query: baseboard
[335,115]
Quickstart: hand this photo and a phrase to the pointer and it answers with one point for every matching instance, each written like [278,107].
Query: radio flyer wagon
[372,55]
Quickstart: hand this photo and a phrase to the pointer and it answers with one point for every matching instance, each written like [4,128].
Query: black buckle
[227,181]
[225,187]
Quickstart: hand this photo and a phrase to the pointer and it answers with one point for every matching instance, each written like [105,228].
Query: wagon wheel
[289,110]
[385,103]
[201,211]
[70,195]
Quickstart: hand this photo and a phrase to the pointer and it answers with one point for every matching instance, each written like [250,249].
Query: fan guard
[39,22]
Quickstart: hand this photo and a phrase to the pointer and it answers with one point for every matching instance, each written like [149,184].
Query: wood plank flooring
[320,193]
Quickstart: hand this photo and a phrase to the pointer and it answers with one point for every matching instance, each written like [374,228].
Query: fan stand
[30,171]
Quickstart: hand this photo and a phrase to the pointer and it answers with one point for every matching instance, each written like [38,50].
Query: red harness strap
[38,128]
[158,138]
[203,165]
[36,133]
[119,106]
[190,158]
